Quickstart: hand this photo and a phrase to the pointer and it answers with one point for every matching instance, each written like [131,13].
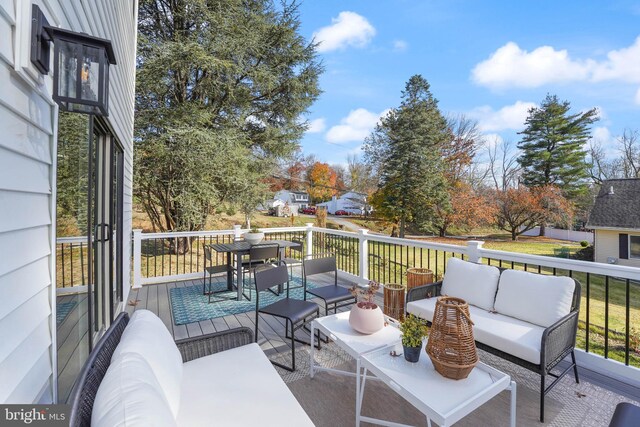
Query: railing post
[237,235]
[309,239]
[473,251]
[364,253]
[137,259]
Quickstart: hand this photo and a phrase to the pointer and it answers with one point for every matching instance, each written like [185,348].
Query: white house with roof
[352,202]
[615,219]
[295,199]
[47,331]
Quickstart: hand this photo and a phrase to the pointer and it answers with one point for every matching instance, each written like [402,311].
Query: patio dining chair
[291,261]
[332,296]
[210,270]
[259,255]
[297,313]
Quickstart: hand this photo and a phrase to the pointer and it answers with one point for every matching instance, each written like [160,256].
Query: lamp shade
[81,75]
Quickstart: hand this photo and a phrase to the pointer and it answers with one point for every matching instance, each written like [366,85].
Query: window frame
[632,236]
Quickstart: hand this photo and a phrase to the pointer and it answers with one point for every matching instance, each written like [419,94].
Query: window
[634,247]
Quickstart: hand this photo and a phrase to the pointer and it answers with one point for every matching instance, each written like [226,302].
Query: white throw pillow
[474,283]
[129,395]
[147,336]
[536,298]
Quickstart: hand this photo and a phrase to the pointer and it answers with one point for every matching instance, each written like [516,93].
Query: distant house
[294,199]
[352,202]
[615,218]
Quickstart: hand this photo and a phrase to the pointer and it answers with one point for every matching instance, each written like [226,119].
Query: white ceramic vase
[366,320]
[253,238]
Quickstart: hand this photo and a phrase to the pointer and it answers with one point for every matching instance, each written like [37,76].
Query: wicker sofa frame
[86,387]
[558,341]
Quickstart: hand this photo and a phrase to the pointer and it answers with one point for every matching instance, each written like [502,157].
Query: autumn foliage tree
[322,180]
[467,210]
[520,209]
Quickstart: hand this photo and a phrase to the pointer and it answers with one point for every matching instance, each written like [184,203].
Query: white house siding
[607,246]
[28,122]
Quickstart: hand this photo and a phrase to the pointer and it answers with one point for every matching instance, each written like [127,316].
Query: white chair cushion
[147,336]
[513,336]
[129,395]
[474,283]
[237,387]
[535,298]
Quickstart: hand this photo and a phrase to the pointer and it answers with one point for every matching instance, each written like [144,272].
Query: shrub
[585,254]
[584,243]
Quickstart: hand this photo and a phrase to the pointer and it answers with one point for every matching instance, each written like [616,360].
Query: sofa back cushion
[535,298]
[130,395]
[474,283]
[147,336]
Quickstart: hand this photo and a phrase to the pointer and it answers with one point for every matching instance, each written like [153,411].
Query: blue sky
[491,60]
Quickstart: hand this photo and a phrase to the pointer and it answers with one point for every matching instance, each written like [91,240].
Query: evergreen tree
[553,147]
[405,150]
[220,89]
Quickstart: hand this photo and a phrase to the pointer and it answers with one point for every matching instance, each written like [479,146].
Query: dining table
[239,249]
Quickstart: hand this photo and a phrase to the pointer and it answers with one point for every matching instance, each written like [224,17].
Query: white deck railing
[610,293]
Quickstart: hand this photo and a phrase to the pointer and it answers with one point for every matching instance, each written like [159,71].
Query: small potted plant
[413,331]
[365,316]
[254,236]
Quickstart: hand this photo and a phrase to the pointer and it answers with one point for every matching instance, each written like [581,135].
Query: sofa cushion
[513,336]
[147,336]
[535,298]
[237,387]
[129,395]
[474,283]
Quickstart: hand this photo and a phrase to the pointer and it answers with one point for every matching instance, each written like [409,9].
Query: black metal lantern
[80,66]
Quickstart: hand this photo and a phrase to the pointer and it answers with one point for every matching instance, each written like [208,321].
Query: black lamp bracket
[42,34]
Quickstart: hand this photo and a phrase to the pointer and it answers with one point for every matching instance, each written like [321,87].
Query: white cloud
[317,125]
[492,139]
[602,135]
[355,127]
[511,66]
[348,29]
[508,117]
[638,97]
[622,64]
[400,45]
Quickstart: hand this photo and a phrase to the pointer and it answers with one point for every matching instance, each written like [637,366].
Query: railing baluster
[587,313]
[626,326]
[606,317]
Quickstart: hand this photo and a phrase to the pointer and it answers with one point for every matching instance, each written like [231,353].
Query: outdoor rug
[188,305]
[329,399]
[63,309]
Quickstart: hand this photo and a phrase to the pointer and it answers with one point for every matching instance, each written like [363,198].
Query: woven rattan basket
[451,346]
[418,277]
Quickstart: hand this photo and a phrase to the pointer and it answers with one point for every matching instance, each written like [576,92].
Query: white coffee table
[442,400]
[354,343]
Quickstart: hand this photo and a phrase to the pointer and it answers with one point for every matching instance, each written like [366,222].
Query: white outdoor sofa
[138,376]
[526,318]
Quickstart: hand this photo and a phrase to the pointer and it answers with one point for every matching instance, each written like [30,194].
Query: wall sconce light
[80,65]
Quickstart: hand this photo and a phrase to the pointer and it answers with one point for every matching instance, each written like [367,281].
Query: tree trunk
[442,232]
[402,225]
[247,219]
[543,229]
[514,235]
[179,245]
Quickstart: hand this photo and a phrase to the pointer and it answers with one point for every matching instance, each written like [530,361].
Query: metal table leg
[239,280]
[512,387]
[229,272]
